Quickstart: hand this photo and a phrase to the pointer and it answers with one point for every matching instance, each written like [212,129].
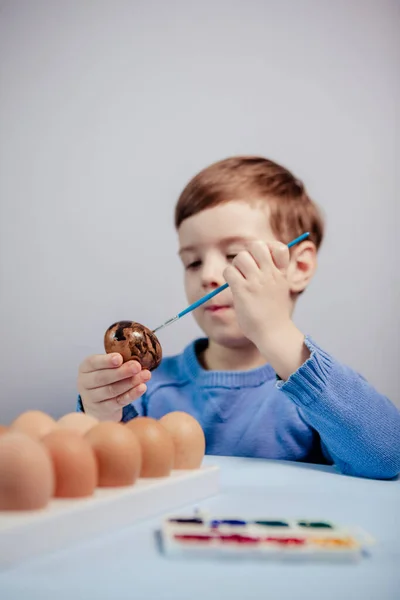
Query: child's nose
[211,275]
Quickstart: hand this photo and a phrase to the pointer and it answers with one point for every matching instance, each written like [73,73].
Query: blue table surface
[127,564]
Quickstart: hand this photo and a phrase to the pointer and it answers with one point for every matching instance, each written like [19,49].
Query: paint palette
[203,535]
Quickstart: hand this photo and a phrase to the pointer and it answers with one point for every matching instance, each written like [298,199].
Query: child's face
[208,242]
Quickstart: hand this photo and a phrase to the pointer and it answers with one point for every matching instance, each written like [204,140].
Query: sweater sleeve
[359,427]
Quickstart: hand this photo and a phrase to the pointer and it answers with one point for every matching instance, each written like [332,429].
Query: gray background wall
[108,108]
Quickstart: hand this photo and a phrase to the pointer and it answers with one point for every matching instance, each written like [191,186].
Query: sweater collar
[229,379]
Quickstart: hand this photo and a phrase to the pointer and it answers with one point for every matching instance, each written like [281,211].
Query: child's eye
[194,265]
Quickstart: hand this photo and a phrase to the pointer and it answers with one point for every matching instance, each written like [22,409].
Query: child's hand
[260,289]
[106,385]
[261,297]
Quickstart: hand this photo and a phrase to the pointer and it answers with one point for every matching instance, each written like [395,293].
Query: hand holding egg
[106,385]
[108,382]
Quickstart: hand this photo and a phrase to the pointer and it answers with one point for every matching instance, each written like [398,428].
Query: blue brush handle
[202,300]
[223,287]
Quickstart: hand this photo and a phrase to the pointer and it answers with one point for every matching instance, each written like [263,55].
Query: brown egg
[3,429]
[118,453]
[134,342]
[26,473]
[157,446]
[34,423]
[74,462]
[188,437]
[77,421]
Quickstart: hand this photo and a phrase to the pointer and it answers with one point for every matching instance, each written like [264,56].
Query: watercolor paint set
[202,535]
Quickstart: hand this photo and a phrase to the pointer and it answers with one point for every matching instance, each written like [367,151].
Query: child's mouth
[215,309]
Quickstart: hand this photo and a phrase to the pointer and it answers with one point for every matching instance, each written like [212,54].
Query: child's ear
[302,266]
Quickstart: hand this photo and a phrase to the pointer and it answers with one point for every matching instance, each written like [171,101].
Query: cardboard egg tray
[231,537]
[28,534]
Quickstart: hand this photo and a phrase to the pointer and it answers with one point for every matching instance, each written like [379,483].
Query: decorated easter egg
[134,342]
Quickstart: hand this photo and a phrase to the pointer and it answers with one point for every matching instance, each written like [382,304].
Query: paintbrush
[214,293]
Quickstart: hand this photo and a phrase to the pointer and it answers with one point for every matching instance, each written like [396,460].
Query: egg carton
[203,535]
[28,534]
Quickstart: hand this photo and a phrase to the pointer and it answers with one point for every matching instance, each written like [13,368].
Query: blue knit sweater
[324,413]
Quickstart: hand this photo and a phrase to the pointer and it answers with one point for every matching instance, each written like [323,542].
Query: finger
[110,392]
[261,254]
[132,395]
[114,390]
[105,377]
[233,277]
[280,255]
[245,264]
[96,362]
[109,407]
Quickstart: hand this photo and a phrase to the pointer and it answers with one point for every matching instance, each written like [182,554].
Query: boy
[258,386]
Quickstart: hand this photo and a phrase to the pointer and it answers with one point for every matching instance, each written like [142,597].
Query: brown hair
[254,178]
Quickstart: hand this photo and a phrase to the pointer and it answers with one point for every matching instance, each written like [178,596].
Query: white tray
[28,534]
